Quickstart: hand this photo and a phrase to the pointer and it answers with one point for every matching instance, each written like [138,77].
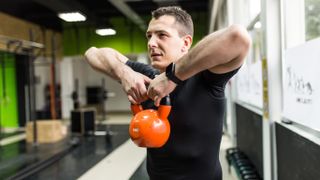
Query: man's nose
[152,42]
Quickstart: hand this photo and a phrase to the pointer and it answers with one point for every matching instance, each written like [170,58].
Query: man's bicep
[230,66]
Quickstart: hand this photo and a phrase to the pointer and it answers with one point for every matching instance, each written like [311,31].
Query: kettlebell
[150,128]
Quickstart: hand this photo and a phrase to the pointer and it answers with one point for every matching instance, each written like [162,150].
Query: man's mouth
[155,54]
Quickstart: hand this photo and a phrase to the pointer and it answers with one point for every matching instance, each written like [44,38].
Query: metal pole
[53,80]
[32,91]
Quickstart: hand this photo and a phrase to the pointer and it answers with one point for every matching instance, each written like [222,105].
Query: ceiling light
[257,25]
[72,16]
[106,32]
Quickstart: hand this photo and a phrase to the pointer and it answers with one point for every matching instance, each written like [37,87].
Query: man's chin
[157,66]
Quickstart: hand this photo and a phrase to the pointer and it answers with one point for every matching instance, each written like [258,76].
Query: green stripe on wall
[8,104]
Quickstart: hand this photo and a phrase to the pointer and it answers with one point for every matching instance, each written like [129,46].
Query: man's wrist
[121,71]
[170,73]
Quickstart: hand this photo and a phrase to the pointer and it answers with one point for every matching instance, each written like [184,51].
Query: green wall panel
[129,38]
[8,104]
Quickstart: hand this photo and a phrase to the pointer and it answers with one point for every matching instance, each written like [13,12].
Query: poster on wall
[255,82]
[242,83]
[249,84]
[301,84]
[249,78]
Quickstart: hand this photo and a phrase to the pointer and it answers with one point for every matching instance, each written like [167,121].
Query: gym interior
[60,119]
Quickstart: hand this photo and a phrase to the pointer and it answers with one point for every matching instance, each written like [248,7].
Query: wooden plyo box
[48,131]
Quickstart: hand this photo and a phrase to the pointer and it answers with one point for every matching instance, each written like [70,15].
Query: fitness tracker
[170,73]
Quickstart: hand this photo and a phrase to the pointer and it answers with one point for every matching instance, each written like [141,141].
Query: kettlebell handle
[135,108]
[165,101]
[165,107]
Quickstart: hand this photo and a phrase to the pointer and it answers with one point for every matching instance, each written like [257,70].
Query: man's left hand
[160,87]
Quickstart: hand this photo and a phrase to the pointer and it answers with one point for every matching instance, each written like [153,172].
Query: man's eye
[148,36]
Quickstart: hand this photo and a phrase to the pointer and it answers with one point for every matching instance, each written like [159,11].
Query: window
[312,19]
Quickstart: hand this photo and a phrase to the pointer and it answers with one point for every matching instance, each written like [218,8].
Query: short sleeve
[218,79]
[216,82]
[143,68]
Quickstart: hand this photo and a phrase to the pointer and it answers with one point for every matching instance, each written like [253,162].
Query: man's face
[164,43]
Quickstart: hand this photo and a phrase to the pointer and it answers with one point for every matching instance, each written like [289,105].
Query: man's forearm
[226,47]
[108,61]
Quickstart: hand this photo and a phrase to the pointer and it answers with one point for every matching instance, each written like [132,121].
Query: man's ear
[187,42]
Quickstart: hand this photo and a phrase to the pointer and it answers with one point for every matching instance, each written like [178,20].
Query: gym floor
[95,157]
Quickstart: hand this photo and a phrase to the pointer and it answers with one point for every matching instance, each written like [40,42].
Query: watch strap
[170,73]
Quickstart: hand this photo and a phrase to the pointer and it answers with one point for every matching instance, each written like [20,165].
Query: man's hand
[160,87]
[134,84]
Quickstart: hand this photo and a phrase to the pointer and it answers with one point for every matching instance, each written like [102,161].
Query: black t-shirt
[196,118]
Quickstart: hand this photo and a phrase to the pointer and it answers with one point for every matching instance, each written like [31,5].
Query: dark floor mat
[141,173]
[17,156]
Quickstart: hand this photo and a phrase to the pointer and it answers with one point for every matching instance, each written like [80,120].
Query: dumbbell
[242,162]
[238,155]
[250,176]
[243,168]
[232,150]
[246,172]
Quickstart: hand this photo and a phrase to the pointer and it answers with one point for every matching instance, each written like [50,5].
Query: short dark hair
[181,16]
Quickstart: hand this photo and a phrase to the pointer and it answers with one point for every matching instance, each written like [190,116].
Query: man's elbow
[90,51]
[240,37]
[93,51]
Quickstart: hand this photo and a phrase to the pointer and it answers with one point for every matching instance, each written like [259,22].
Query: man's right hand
[135,85]
[112,63]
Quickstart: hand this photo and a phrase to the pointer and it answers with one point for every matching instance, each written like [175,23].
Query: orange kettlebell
[150,128]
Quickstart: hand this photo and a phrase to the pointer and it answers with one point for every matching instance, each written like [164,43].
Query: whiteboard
[301,84]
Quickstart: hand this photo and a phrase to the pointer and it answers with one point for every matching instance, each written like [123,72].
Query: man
[194,79]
